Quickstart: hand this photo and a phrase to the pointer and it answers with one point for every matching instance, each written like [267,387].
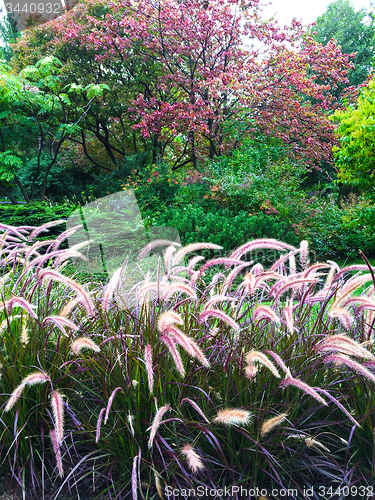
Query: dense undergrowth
[257,377]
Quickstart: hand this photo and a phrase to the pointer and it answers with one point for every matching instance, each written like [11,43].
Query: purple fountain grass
[343,315]
[32,379]
[193,262]
[68,308]
[11,230]
[168,318]
[231,275]
[149,367]
[168,255]
[304,253]
[270,244]
[282,259]
[279,288]
[33,248]
[60,322]
[258,357]
[265,312]
[217,298]
[350,363]
[219,261]
[84,343]
[251,371]
[339,405]
[216,313]
[271,423]
[166,289]
[280,362]
[156,423]
[19,302]
[68,254]
[98,425]
[315,267]
[110,401]
[155,244]
[334,343]
[233,416]
[86,299]
[166,339]
[130,419]
[193,247]
[361,302]
[44,227]
[134,478]
[111,288]
[288,315]
[350,286]
[193,459]
[196,407]
[56,450]
[307,389]
[65,234]
[57,405]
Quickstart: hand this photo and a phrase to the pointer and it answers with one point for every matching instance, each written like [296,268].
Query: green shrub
[223,227]
[36,214]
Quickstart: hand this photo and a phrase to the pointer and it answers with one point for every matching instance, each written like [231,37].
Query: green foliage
[223,227]
[35,214]
[355,158]
[9,164]
[332,231]
[257,175]
[354,31]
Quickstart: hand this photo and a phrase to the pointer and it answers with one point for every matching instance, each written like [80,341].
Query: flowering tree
[189,79]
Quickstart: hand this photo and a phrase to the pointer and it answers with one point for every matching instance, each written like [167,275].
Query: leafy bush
[177,384]
[223,227]
[36,214]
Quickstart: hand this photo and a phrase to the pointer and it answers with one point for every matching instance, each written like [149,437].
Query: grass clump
[258,377]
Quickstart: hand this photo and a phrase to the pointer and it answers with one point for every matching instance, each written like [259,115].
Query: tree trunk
[27,199]
[10,196]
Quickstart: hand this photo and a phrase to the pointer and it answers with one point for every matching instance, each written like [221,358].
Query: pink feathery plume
[277,290]
[87,300]
[350,363]
[193,247]
[270,243]
[303,253]
[188,344]
[168,254]
[60,322]
[32,379]
[349,287]
[288,315]
[12,230]
[56,450]
[134,478]
[217,298]
[257,269]
[280,362]
[361,302]
[155,424]
[149,367]
[45,227]
[258,357]
[175,354]
[193,459]
[233,416]
[231,275]
[265,312]
[292,267]
[38,244]
[68,254]
[110,288]
[179,287]
[110,401]
[84,343]
[216,313]
[281,260]
[168,318]
[57,405]
[219,261]
[19,302]
[192,262]
[343,315]
[65,234]
[315,267]
[155,244]
[98,425]
[251,371]
[14,397]
[304,387]
[196,407]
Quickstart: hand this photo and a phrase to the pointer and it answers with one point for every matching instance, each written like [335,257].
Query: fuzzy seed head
[233,416]
[192,457]
[271,423]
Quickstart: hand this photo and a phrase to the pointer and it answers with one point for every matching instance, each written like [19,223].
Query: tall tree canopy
[189,79]
[354,32]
